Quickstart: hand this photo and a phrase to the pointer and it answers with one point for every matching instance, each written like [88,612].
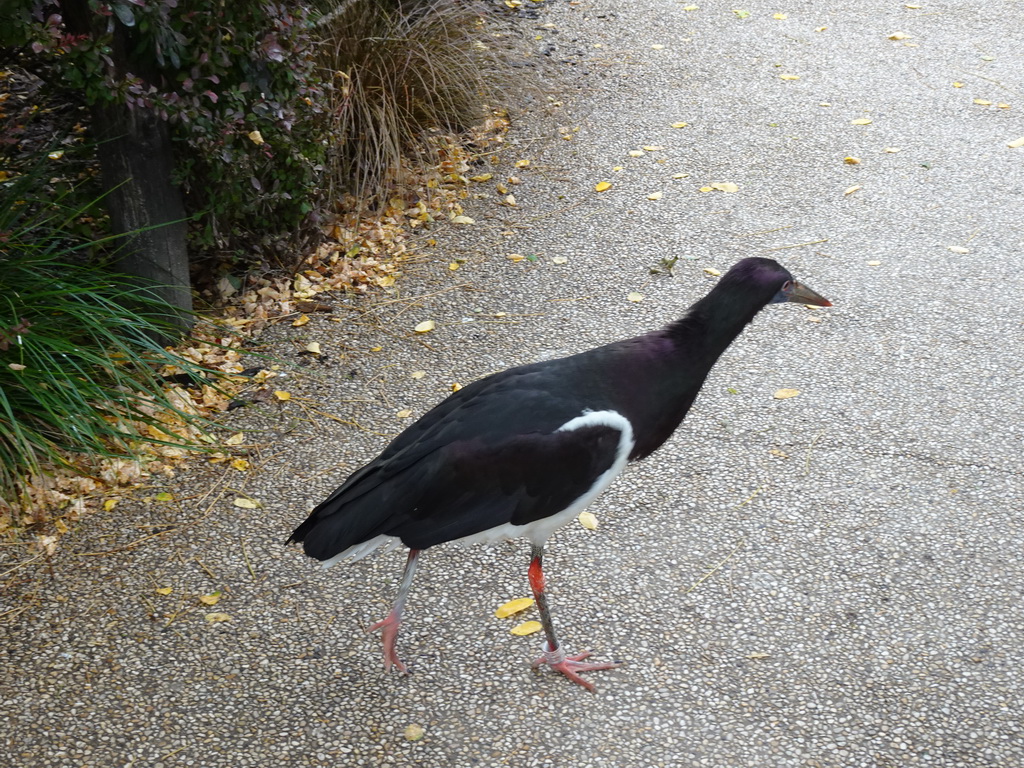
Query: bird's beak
[801,294]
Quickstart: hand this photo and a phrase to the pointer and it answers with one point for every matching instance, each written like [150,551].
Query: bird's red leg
[389,625]
[552,652]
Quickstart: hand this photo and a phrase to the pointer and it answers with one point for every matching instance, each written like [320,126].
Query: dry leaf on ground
[526,628]
[513,606]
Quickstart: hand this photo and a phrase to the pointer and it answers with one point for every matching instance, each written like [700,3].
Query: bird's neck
[696,341]
[711,325]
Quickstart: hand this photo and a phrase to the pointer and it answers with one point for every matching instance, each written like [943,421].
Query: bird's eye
[787,287]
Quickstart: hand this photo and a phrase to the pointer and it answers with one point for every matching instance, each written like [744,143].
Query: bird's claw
[571,666]
[389,635]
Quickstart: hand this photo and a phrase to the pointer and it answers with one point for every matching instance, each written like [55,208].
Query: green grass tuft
[80,360]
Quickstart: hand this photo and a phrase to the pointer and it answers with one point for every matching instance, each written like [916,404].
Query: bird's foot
[571,666]
[389,634]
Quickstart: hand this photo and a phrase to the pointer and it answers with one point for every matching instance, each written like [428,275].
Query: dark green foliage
[236,81]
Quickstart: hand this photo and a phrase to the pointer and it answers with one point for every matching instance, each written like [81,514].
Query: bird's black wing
[484,462]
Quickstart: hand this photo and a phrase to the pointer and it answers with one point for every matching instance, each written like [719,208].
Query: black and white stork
[524,451]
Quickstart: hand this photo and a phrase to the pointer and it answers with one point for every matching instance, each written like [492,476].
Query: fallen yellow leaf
[780,16]
[861,121]
[679,125]
[240,464]
[236,439]
[958,249]
[983,102]
[455,387]
[892,150]
[712,271]
[874,263]
[513,606]
[588,520]
[211,599]
[482,177]
[405,413]
[280,394]
[691,7]
[245,503]
[425,327]
[653,148]
[635,297]
[164,496]
[724,186]
[602,186]
[453,265]
[655,196]
[899,36]
[414,732]
[215,618]
[559,259]
[854,188]
[256,137]
[164,590]
[515,258]
[109,504]
[522,163]
[657,46]
[758,655]
[785,394]
[789,77]
[462,220]
[1016,143]
[851,160]
[958,85]
[313,347]
[635,153]
[526,628]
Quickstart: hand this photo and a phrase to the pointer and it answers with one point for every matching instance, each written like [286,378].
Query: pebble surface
[830,580]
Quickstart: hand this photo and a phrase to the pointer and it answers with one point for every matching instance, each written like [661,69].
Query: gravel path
[829,580]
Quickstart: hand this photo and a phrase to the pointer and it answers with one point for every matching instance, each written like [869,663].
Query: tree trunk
[144,205]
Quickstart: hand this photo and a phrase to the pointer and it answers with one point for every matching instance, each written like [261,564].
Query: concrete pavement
[829,580]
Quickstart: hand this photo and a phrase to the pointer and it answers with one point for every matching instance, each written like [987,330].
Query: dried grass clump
[398,70]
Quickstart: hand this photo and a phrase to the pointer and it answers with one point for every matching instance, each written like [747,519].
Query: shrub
[236,82]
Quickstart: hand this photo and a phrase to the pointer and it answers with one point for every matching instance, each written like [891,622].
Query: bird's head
[775,281]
